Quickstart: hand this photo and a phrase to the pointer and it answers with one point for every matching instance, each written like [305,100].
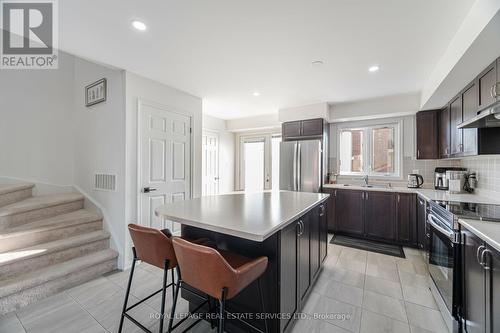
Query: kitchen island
[290,228]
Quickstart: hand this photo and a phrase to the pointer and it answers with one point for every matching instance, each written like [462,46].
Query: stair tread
[39,202]
[10,257]
[38,277]
[58,221]
[8,188]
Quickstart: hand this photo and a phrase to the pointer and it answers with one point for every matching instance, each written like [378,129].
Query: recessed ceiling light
[373,68]
[256,93]
[317,62]
[139,25]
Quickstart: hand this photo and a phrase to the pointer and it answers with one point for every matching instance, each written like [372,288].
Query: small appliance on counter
[440,180]
[415,180]
[456,181]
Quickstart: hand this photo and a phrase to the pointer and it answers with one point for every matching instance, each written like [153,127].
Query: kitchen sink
[369,186]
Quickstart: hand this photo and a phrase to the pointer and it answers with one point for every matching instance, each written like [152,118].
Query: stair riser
[35,238]
[38,214]
[25,266]
[28,296]
[9,198]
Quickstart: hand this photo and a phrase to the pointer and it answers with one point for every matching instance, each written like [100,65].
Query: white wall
[256,123]
[99,145]
[227,151]
[138,87]
[36,141]
[319,110]
[375,108]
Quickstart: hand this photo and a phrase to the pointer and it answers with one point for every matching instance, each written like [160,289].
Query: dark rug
[368,245]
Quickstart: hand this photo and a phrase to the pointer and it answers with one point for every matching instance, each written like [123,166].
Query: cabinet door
[330,210]
[427,135]
[455,133]
[288,287]
[444,132]
[314,223]
[486,80]
[379,215]
[304,257]
[312,127]
[493,291]
[474,284]
[291,129]
[470,105]
[406,218]
[323,232]
[349,218]
[421,220]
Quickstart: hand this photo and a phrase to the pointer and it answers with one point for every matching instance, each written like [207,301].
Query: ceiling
[225,50]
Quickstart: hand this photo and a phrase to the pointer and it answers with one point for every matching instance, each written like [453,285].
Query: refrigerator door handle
[294,184]
[299,167]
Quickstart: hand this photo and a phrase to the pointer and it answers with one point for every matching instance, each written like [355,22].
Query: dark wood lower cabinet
[481,285]
[421,220]
[385,216]
[304,257]
[380,215]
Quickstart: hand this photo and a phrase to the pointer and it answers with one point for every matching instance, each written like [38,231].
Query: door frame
[141,102]
[217,134]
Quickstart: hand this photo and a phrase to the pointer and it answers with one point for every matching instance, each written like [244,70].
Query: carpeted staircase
[47,243]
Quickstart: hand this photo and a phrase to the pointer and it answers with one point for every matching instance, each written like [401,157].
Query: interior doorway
[210,163]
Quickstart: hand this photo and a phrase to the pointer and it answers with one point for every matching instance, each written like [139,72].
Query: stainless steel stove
[469,210]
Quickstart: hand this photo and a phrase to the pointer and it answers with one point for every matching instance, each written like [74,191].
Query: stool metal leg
[263,309]
[173,286]
[210,312]
[174,302]
[127,293]
[163,292]
[222,310]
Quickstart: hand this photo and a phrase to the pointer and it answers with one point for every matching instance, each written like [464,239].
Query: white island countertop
[254,216]
[427,194]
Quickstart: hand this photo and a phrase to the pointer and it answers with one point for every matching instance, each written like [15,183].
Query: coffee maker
[440,179]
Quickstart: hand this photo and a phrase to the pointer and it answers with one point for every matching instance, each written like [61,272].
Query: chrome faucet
[365,179]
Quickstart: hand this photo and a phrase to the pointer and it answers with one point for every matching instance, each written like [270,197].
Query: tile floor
[367,292]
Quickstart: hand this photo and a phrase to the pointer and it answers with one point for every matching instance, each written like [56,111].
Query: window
[370,150]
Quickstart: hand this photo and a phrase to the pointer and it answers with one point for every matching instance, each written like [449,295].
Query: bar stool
[154,247]
[217,273]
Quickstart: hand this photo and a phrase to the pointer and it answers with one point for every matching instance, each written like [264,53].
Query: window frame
[367,150]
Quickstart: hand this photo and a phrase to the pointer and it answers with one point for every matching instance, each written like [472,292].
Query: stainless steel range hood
[489,117]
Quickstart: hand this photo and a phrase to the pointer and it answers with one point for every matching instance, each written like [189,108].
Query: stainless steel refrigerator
[301,166]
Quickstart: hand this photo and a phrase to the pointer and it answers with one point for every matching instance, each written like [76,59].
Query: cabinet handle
[335,193]
[399,198]
[483,259]
[495,90]
[479,256]
[491,91]
[322,213]
[418,152]
[366,195]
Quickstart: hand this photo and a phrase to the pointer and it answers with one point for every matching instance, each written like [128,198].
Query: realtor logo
[29,34]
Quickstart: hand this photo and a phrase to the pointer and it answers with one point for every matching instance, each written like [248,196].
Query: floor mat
[368,245]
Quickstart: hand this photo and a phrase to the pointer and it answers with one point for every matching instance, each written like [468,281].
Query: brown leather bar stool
[217,273]
[154,247]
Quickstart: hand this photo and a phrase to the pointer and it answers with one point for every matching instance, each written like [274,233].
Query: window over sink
[370,150]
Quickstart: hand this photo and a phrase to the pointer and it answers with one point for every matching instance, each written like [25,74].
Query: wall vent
[104,182]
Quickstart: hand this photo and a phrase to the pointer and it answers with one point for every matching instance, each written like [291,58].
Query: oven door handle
[432,221]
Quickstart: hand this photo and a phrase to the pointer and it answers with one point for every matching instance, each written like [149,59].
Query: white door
[165,162]
[210,163]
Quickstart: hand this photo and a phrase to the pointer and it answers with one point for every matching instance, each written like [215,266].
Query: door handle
[148,189]
[216,178]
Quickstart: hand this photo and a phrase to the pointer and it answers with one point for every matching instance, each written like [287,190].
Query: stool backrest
[203,267]
[152,246]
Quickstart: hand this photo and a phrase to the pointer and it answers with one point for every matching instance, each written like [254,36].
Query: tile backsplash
[487,169]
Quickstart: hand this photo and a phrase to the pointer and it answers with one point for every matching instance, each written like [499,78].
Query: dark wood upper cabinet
[406,219]
[428,134]
[456,117]
[349,218]
[313,127]
[291,129]
[470,102]
[486,80]
[380,215]
[444,132]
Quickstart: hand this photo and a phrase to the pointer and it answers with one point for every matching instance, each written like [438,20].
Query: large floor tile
[384,305]
[384,287]
[343,292]
[420,296]
[311,325]
[426,318]
[342,275]
[414,280]
[338,313]
[9,323]
[387,272]
[414,267]
[59,313]
[374,323]
[144,283]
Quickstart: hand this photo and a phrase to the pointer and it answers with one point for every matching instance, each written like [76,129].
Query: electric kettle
[415,181]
